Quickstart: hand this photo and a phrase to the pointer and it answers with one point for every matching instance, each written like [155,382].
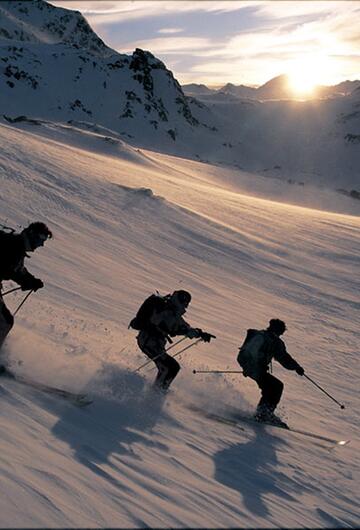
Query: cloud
[170,45]
[110,12]
[170,30]
[243,41]
[295,10]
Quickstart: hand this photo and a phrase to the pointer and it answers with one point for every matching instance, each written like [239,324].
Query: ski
[235,422]
[80,400]
[237,419]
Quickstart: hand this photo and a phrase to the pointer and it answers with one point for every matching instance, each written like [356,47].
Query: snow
[238,205]
[130,221]
[54,67]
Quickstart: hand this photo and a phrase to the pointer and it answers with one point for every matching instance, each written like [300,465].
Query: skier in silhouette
[14,249]
[255,355]
[158,319]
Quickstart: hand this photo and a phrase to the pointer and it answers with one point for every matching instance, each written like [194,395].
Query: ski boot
[276,421]
[264,414]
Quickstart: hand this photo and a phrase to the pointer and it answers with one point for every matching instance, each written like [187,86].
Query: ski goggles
[39,238]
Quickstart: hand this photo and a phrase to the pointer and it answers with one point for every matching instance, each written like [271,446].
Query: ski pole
[175,343]
[187,347]
[23,302]
[322,390]
[143,365]
[176,354]
[217,371]
[11,291]
[149,361]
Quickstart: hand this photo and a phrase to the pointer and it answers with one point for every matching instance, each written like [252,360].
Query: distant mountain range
[276,88]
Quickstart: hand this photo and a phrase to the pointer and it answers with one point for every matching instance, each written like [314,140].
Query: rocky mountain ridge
[53,63]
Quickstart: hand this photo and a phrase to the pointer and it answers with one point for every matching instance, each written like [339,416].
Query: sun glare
[307,73]
[301,84]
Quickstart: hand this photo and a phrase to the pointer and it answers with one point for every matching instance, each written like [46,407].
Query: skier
[14,248]
[255,355]
[158,319]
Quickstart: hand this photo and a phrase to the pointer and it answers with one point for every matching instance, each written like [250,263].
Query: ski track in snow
[126,223]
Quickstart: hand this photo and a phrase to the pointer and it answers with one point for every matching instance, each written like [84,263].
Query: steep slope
[39,22]
[123,227]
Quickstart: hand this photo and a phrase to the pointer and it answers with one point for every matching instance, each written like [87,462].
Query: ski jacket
[258,350]
[168,321]
[12,255]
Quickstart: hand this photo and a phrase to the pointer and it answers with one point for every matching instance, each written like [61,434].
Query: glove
[206,337]
[300,370]
[194,333]
[32,285]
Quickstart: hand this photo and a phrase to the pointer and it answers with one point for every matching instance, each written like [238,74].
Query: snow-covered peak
[53,66]
[38,21]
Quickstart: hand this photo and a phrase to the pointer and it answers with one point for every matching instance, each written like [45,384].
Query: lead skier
[14,249]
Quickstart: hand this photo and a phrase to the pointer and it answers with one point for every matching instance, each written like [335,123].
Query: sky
[241,42]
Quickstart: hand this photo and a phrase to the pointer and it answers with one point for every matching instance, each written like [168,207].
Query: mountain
[249,244]
[342,89]
[37,22]
[278,88]
[194,89]
[275,88]
[241,91]
[54,66]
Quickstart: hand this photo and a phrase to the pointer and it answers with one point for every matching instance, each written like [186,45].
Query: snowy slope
[313,141]
[127,222]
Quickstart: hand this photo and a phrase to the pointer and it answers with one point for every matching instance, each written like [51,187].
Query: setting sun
[308,72]
[302,83]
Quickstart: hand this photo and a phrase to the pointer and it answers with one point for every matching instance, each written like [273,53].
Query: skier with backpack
[158,319]
[14,249]
[255,355]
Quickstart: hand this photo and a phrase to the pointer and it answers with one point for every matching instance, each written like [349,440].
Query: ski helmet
[277,326]
[184,297]
[37,233]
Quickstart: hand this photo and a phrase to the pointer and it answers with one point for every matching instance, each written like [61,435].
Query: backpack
[252,358]
[5,235]
[5,240]
[153,303]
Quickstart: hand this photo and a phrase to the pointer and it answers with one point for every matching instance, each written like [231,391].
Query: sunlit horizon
[246,42]
[308,73]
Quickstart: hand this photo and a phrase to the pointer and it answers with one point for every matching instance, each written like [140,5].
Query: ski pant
[271,390]
[154,347]
[6,321]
